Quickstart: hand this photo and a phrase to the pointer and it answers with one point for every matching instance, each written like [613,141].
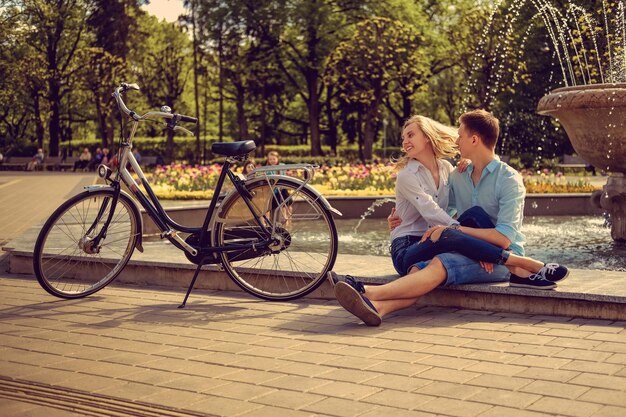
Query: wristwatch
[455,226]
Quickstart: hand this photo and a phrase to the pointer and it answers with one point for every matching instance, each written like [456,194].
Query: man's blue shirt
[500,192]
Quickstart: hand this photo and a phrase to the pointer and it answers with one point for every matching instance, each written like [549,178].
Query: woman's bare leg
[412,286]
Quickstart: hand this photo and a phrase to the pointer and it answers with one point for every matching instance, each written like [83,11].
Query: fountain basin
[593,117]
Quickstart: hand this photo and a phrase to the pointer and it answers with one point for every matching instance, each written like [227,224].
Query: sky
[165,9]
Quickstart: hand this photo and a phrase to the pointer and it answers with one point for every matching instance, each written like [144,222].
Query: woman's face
[414,142]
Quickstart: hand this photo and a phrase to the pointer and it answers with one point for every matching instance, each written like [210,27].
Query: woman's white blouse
[419,203]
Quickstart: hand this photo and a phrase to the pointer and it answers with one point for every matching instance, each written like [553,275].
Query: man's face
[464,141]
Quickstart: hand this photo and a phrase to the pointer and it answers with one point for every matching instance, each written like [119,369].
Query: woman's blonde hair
[441,137]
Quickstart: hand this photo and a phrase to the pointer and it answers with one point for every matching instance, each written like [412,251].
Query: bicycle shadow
[115,310]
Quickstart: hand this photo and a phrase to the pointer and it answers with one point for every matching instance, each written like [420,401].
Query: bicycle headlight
[104,171]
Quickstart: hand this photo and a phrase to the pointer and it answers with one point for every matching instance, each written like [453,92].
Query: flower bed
[186,182]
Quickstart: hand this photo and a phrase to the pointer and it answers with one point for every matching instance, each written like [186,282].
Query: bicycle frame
[258,233]
[171,229]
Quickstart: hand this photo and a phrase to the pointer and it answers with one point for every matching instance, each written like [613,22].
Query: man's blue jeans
[407,251]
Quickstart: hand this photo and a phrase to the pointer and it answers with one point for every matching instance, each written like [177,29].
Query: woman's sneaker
[534,281]
[553,272]
[350,297]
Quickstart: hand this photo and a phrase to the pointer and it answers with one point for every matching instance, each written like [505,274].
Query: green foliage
[306,77]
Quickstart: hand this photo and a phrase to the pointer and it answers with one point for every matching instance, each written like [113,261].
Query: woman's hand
[462,165]
[393,220]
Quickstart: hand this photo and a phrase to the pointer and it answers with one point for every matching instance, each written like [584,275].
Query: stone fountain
[594,118]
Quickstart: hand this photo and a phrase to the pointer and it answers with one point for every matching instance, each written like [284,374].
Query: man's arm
[492,236]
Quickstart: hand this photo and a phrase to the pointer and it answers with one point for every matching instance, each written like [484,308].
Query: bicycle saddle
[233,148]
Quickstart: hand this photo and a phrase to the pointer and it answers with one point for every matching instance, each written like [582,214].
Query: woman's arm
[410,188]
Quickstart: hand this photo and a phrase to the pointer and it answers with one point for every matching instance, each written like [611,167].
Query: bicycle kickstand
[193,281]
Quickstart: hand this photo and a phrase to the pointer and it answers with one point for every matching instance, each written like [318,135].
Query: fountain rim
[599,86]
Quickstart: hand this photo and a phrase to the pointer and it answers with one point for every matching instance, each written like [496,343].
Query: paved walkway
[132,352]
[29,198]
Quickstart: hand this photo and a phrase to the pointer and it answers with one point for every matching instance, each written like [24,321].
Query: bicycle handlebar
[150,115]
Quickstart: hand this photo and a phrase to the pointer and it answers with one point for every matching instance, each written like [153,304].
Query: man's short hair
[483,124]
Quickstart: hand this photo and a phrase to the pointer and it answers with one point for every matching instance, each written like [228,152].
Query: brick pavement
[29,198]
[130,351]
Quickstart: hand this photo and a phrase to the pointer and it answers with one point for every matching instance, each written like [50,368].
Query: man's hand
[462,165]
[393,220]
[434,233]
[487,266]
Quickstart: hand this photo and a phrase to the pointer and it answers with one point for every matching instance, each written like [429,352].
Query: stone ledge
[586,293]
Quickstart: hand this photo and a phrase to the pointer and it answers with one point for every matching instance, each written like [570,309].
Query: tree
[57,31]
[314,28]
[112,22]
[383,55]
[165,68]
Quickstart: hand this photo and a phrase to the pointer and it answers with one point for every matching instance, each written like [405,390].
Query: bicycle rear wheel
[66,262]
[303,244]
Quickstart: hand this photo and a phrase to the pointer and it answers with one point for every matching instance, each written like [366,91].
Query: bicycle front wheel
[302,235]
[67,260]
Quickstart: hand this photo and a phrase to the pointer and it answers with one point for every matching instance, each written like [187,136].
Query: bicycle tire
[306,235]
[65,263]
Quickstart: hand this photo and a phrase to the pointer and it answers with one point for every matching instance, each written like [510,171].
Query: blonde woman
[422,191]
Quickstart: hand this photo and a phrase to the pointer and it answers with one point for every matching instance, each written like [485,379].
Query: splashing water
[371,209]
[588,48]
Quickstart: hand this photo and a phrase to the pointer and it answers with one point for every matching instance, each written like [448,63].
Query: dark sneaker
[335,278]
[351,298]
[534,281]
[553,272]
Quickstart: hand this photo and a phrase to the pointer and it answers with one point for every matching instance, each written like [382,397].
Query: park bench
[572,162]
[148,161]
[16,163]
[57,163]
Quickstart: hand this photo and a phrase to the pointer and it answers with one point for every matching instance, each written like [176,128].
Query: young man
[487,183]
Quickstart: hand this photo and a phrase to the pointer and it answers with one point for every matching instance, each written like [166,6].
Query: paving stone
[555,389]
[345,390]
[399,399]
[337,407]
[449,390]
[565,407]
[452,407]
[593,366]
[610,411]
[296,383]
[289,399]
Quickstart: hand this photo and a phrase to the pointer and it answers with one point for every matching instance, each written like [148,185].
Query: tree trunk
[55,116]
[360,135]
[40,130]
[242,122]
[102,124]
[332,125]
[406,106]
[195,80]
[314,113]
[169,146]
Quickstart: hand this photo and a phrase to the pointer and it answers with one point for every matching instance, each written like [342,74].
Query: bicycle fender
[134,207]
[317,194]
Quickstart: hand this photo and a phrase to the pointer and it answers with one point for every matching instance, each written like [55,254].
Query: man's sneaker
[350,297]
[534,281]
[553,272]
[335,278]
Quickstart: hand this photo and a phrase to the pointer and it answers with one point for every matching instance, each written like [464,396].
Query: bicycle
[273,234]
